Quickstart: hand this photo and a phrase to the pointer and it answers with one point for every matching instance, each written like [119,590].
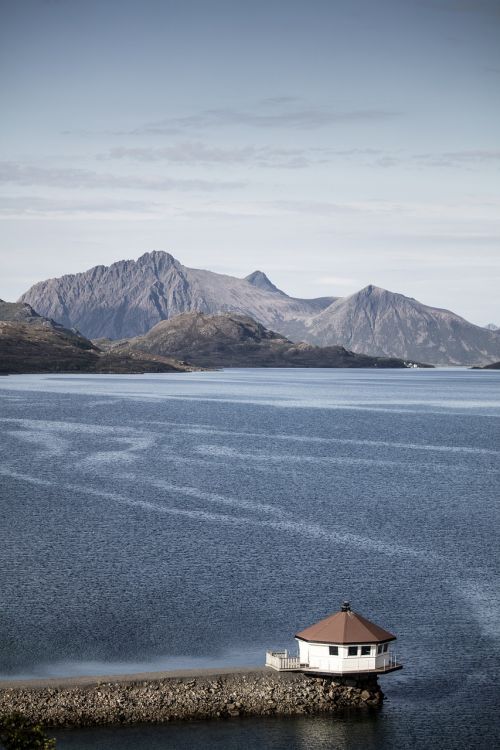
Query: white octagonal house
[343,643]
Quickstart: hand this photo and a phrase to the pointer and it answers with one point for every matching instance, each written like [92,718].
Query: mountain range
[129,297]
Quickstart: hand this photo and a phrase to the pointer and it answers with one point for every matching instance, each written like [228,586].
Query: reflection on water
[349,732]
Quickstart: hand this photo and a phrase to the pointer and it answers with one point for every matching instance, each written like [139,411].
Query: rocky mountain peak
[158,259]
[261,281]
[374,291]
[129,297]
[379,322]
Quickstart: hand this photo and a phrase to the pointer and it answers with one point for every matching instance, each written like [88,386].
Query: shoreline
[161,697]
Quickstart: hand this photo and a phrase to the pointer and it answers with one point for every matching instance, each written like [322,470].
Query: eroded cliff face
[245,693]
[130,297]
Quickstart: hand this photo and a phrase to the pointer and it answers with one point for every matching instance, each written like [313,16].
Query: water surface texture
[169,521]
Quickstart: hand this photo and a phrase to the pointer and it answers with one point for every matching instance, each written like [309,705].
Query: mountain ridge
[233,340]
[129,297]
[382,323]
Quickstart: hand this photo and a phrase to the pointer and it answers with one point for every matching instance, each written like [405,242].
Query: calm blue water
[150,522]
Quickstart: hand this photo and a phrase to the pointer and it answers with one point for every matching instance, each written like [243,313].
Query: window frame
[333,650]
[367,650]
[350,648]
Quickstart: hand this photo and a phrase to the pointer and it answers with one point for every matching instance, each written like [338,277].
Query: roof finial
[346,606]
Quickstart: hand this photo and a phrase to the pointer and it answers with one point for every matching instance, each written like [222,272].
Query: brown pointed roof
[345,627]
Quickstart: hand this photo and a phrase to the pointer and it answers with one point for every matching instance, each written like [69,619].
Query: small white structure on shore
[343,643]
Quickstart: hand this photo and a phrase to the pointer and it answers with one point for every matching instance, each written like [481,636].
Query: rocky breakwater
[163,699]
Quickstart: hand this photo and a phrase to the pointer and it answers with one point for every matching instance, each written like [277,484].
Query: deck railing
[390,661]
[281,660]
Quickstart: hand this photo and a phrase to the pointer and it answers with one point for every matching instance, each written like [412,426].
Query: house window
[379,648]
[386,646]
[365,650]
[352,651]
[334,650]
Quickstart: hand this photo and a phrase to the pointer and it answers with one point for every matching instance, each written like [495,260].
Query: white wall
[317,657]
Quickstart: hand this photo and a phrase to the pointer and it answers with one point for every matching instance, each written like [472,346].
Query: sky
[329,144]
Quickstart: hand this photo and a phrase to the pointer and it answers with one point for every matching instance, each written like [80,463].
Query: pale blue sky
[329,144]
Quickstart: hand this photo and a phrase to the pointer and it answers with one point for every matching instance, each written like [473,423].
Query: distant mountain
[30,343]
[129,297]
[381,323]
[260,280]
[232,340]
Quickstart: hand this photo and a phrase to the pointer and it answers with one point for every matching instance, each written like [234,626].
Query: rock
[386,324]
[130,297]
[256,693]
[235,340]
[30,343]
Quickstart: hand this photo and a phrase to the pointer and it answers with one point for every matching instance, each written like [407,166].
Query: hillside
[381,323]
[30,343]
[232,340]
[130,297]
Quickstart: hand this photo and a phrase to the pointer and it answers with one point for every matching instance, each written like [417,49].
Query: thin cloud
[273,113]
[27,175]
[194,152]
[318,208]
[449,159]
[469,157]
[279,100]
[36,206]
[298,119]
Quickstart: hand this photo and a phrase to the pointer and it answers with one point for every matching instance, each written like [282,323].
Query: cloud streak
[471,157]
[196,152]
[36,206]
[278,113]
[193,153]
[28,175]
[308,118]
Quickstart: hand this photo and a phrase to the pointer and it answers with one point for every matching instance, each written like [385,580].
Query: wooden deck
[282,661]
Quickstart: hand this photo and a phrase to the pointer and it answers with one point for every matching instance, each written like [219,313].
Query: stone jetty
[167,696]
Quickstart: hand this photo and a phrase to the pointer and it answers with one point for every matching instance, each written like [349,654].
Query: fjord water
[170,521]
